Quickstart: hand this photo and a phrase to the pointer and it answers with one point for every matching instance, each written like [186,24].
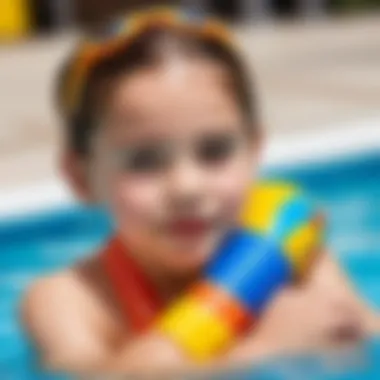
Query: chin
[183,267]
[188,258]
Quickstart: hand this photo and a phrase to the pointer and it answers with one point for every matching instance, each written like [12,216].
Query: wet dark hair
[148,50]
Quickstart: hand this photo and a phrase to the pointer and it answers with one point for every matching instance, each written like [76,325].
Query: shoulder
[48,297]
[52,306]
[58,313]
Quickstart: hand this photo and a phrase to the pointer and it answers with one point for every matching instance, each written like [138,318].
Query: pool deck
[310,77]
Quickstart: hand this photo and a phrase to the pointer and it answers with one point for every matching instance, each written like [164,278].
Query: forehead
[178,96]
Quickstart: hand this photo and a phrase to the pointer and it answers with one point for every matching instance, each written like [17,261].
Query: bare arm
[67,343]
[329,276]
[306,318]
[67,340]
[55,318]
[163,355]
[309,316]
[300,318]
[59,319]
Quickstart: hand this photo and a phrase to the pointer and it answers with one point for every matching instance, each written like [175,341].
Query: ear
[75,170]
[257,141]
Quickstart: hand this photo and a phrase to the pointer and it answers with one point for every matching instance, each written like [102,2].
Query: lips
[189,227]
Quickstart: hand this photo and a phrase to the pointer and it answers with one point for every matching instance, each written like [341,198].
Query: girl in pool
[163,127]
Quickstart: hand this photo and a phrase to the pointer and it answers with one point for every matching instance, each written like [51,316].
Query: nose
[186,185]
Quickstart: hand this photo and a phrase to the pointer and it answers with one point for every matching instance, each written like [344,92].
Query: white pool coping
[331,142]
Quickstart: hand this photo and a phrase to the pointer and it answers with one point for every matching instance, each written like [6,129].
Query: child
[162,126]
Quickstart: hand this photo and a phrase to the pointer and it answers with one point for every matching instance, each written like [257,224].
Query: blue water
[348,189]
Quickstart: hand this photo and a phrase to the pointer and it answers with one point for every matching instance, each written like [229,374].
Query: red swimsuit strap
[136,295]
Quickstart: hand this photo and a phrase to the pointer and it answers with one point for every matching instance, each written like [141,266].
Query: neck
[167,284]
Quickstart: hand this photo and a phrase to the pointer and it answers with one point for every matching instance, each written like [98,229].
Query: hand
[300,320]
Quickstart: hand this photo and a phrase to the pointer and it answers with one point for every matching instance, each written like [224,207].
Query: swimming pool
[348,188]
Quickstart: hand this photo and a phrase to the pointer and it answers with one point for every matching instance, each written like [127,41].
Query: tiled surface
[322,73]
[308,75]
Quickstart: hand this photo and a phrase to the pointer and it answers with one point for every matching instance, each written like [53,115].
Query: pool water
[348,189]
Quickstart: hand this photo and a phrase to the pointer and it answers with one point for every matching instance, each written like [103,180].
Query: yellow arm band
[199,332]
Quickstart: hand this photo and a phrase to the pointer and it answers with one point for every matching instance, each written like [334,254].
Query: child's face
[173,160]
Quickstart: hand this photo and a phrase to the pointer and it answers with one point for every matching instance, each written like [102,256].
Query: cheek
[230,184]
[136,201]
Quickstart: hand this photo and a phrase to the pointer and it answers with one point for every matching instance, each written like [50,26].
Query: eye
[216,149]
[145,159]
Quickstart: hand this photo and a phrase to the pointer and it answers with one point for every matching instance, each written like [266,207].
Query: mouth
[190,227]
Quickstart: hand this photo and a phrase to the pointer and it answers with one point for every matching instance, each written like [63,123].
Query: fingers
[343,323]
